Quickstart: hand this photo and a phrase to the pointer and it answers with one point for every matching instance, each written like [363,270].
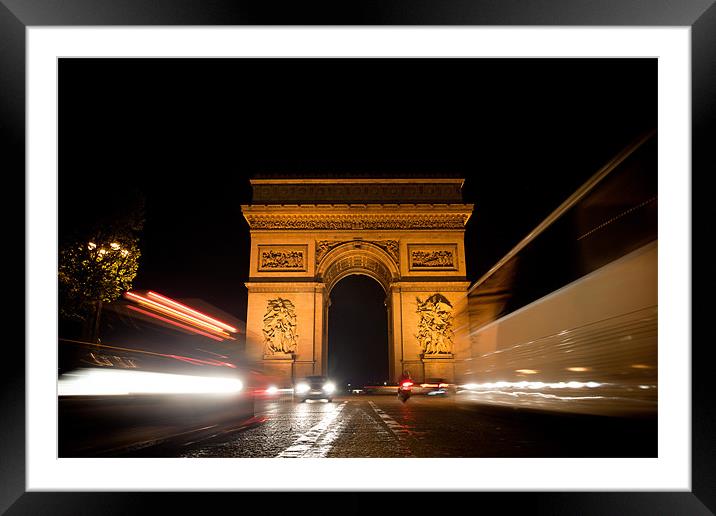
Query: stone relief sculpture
[282,259]
[390,246]
[280,327]
[430,259]
[324,246]
[435,325]
[286,258]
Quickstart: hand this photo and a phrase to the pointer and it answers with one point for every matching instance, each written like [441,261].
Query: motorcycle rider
[405,377]
[404,394]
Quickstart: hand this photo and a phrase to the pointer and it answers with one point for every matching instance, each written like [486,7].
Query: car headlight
[302,388]
[329,387]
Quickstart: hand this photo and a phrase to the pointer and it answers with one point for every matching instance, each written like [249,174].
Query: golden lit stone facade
[308,234]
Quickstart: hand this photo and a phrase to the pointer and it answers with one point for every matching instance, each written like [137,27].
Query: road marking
[399,431]
[308,445]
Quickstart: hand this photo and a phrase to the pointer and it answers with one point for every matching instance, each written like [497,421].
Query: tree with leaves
[97,265]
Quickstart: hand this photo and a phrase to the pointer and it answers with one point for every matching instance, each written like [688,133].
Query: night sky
[188,134]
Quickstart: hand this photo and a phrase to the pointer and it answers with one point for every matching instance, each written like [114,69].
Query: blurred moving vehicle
[568,319]
[314,388]
[435,386]
[148,385]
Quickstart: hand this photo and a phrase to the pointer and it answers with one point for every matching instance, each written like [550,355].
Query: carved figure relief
[280,327]
[390,246]
[432,257]
[324,246]
[435,325]
[282,258]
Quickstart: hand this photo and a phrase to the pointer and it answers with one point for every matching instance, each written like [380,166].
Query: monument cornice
[357,216]
[360,207]
[329,190]
[277,287]
[406,285]
[356,180]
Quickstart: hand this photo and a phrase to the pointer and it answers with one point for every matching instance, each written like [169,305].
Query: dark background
[188,133]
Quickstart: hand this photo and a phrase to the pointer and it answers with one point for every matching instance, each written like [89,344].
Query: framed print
[99,100]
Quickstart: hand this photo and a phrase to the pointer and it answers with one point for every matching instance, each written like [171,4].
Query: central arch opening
[358,332]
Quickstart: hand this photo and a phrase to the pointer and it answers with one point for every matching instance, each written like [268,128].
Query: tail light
[407,384]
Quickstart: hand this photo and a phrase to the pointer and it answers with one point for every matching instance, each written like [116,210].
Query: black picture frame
[700,15]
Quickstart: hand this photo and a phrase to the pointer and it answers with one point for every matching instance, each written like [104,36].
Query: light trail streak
[171,311]
[118,382]
[175,323]
[191,311]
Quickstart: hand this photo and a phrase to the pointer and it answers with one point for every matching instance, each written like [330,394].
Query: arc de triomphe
[308,234]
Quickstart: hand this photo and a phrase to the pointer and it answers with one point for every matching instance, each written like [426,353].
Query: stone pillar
[417,302]
[280,366]
[319,330]
[305,303]
[395,346]
[439,366]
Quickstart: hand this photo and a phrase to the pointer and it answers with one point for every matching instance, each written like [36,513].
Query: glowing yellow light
[91,246]
[114,245]
[641,366]
[102,251]
[527,371]
[579,369]
[125,252]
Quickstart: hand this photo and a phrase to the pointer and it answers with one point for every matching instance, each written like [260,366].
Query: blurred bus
[567,320]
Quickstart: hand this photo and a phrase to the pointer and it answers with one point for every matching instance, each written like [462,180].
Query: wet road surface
[382,426]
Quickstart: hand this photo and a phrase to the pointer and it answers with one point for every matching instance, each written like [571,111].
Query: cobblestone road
[382,426]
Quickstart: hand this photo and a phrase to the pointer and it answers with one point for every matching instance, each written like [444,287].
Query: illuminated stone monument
[308,234]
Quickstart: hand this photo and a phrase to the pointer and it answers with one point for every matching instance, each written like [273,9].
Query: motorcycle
[404,390]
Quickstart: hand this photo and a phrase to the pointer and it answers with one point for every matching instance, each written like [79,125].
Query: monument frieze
[357,221]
